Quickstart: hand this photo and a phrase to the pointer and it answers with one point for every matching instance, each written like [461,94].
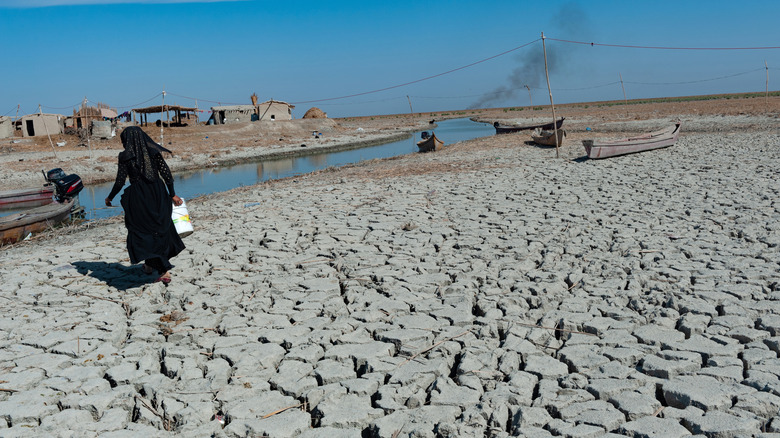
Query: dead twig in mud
[314,261]
[554,329]
[193,329]
[8,390]
[166,423]
[544,346]
[279,411]
[658,411]
[252,296]
[121,303]
[370,201]
[431,348]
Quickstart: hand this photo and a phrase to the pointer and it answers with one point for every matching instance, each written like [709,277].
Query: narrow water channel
[213,180]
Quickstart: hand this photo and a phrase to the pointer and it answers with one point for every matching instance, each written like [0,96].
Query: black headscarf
[139,148]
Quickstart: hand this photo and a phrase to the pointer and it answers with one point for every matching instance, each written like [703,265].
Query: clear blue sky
[124,53]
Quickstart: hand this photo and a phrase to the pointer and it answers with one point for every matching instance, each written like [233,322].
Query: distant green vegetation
[687,99]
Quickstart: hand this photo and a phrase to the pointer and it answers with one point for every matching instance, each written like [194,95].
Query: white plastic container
[181,220]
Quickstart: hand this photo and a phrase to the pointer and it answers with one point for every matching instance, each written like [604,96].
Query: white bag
[181,220]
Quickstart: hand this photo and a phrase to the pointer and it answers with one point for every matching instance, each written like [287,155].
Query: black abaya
[150,230]
[151,235]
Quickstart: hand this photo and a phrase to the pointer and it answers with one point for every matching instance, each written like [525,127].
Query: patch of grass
[690,99]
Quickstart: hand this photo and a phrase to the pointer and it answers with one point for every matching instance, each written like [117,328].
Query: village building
[268,110]
[41,124]
[86,115]
[228,114]
[275,110]
[182,116]
[6,127]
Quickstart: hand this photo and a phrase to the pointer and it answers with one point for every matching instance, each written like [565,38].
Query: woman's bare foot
[165,278]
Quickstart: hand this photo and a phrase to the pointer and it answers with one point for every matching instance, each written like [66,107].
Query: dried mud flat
[489,289]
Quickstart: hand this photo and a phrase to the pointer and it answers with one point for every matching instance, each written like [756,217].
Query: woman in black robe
[151,235]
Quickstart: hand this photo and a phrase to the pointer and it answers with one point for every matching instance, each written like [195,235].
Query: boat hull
[24,198]
[430,144]
[598,149]
[506,129]
[17,226]
[547,138]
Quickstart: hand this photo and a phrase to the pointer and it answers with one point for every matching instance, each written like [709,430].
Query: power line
[60,108]
[78,104]
[663,47]
[420,80]
[220,102]
[385,88]
[367,101]
[697,81]
[583,88]
[141,103]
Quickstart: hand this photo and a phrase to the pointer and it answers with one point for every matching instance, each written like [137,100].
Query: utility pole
[552,105]
[624,88]
[532,102]
[766,96]
[162,108]
[43,120]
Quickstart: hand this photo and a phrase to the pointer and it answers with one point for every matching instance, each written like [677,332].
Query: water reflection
[202,182]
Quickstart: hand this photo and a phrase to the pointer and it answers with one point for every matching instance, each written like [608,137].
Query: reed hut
[84,117]
[315,113]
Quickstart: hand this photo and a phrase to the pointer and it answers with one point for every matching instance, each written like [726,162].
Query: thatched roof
[233,108]
[269,102]
[315,113]
[161,109]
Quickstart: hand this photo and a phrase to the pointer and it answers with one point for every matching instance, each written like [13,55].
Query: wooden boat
[505,129]
[547,138]
[611,148]
[16,227]
[432,143]
[24,198]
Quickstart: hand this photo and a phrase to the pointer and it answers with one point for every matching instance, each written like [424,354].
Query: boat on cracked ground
[506,129]
[596,149]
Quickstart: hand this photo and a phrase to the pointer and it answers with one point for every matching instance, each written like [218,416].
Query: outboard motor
[65,186]
[424,135]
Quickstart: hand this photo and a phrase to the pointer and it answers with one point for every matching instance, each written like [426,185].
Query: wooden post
[532,102]
[410,106]
[766,96]
[552,105]
[40,112]
[624,89]
[162,108]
